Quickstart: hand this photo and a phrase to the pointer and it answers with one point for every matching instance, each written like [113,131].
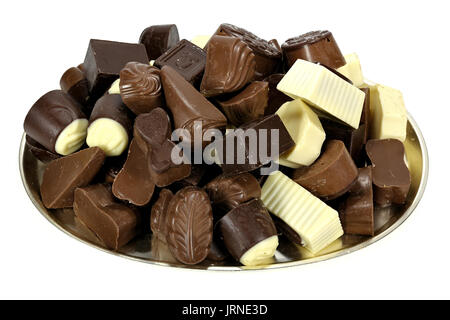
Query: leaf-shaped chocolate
[190,225]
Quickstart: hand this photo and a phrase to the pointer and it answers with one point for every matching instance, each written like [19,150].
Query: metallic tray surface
[148,249]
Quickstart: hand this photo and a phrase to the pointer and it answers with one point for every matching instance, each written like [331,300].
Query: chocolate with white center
[315,46]
[230,65]
[158,39]
[62,176]
[391,176]
[249,233]
[140,87]
[114,223]
[331,175]
[74,82]
[56,122]
[110,125]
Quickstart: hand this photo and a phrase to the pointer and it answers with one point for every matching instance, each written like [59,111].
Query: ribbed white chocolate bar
[260,252]
[305,129]
[201,41]
[352,69]
[317,224]
[324,90]
[388,113]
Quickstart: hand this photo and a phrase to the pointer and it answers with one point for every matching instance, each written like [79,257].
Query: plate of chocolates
[223,152]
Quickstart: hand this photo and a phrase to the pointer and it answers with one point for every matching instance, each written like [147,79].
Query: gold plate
[149,250]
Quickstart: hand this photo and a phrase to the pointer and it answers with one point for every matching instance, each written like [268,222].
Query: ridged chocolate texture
[315,46]
[245,226]
[268,57]
[188,105]
[227,193]
[140,87]
[49,116]
[158,216]
[75,84]
[62,176]
[158,39]
[356,212]
[391,176]
[114,223]
[230,65]
[331,175]
[276,97]
[190,225]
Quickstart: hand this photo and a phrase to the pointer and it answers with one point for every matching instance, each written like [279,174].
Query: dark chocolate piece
[227,193]
[331,175]
[39,151]
[274,43]
[140,87]
[134,183]
[245,226]
[104,60]
[62,176]
[114,223]
[216,252]
[188,105]
[243,145]
[111,168]
[287,231]
[74,82]
[356,213]
[158,39]
[230,65]
[152,132]
[50,115]
[185,58]
[315,46]
[248,105]
[268,57]
[391,177]
[190,225]
[276,97]
[158,216]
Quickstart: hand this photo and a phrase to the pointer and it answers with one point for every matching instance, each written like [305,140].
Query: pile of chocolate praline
[106,140]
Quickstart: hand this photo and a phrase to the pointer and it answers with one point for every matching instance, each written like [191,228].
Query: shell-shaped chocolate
[230,65]
[190,225]
[140,87]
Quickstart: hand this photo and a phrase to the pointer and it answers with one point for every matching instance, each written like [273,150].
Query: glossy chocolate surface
[74,82]
[158,39]
[158,216]
[276,97]
[111,106]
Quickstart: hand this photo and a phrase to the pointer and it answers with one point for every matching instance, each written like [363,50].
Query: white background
[403,44]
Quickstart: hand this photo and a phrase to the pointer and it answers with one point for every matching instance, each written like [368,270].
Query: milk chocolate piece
[190,225]
[246,226]
[134,183]
[356,213]
[158,216]
[248,105]
[111,168]
[110,125]
[74,82]
[105,59]
[228,192]
[152,132]
[158,39]
[216,252]
[188,105]
[276,97]
[185,58]
[62,176]
[287,231]
[140,87]
[331,175]
[252,159]
[391,177]
[315,46]
[268,57]
[230,65]
[114,223]
[39,151]
[56,122]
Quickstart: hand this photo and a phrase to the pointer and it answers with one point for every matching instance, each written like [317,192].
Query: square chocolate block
[187,59]
[104,60]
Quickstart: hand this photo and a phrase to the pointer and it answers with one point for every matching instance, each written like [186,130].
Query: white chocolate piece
[115,89]
[72,137]
[305,129]
[109,135]
[260,252]
[324,90]
[388,113]
[152,62]
[352,69]
[317,224]
[201,41]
